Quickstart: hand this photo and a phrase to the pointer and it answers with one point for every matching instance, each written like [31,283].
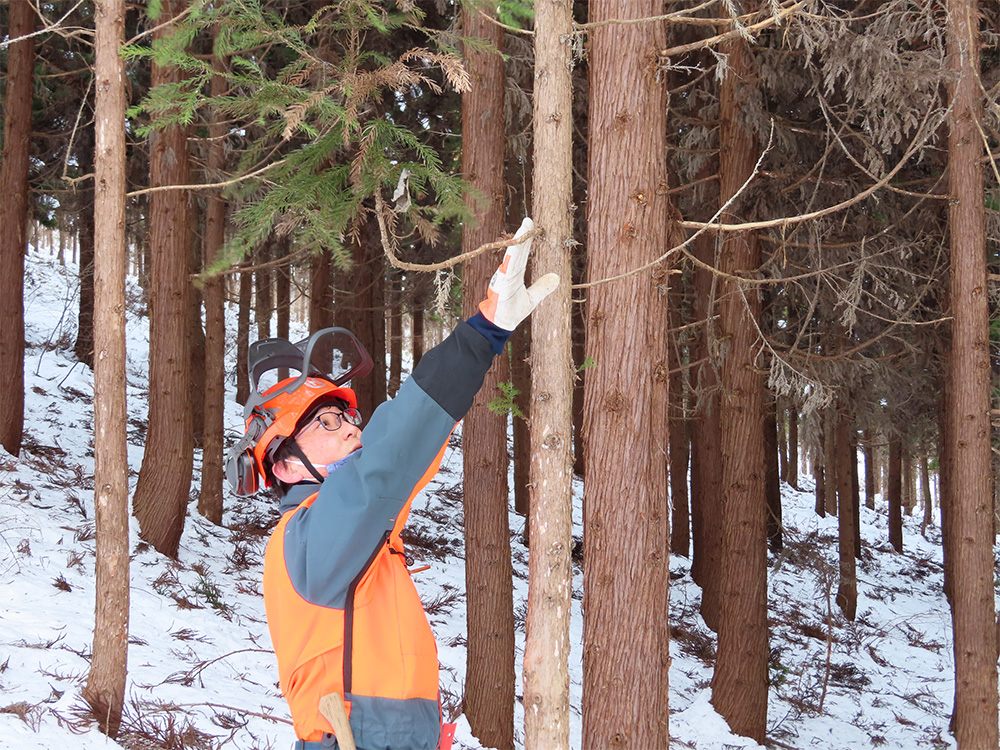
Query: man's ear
[287,472]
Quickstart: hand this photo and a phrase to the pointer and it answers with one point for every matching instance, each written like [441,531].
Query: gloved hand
[507,301]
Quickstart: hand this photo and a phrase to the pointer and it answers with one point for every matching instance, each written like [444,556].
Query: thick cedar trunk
[706,432]
[625,702]
[772,475]
[164,485]
[847,590]
[105,688]
[245,300]
[546,650]
[679,442]
[739,686]
[210,498]
[869,452]
[14,222]
[973,607]
[489,676]
[894,492]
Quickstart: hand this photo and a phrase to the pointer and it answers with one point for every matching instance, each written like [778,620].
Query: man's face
[324,441]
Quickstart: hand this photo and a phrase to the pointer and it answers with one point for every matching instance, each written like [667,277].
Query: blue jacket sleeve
[330,542]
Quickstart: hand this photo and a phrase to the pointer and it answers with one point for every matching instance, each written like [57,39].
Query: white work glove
[507,301]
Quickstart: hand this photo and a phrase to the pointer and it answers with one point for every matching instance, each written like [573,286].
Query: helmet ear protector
[324,362]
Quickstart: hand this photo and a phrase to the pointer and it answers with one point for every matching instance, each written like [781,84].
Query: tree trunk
[895,492]
[772,475]
[852,473]
[244,303]
[395,336]
[14,221]
[417,327]
[679,442]
[366,289]
[792,474]
[869,452]
[321,293]
[489,675]
[925,489]
[706,436]
[164,485]
[210,499]
[739,687]
[264,307]
[546,649]
[84,346]
[847,591]
[105,688]
[520,375]
[973,607]
[830,464]
[625,697]
[283,287]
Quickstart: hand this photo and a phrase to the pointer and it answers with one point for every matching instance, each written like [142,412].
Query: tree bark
[625,696]
[164,485]
[264,306]
[210,499]
[706,436]
[84,346]
[894,492]
[792,474]
[679,442]
[739,687]
[520,375]
[245,300]
[847,590]
[105,688]
[973,607]
[395,335]
[320,292]
[772,474]
[546,650]
[14,165]
[489,675]
[366,289]
[869,453]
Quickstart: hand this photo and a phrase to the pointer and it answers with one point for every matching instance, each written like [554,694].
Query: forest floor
[201,672]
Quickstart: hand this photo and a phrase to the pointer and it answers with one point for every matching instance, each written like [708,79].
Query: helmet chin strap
[300,454]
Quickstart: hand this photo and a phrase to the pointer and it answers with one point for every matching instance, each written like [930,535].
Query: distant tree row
[781,222]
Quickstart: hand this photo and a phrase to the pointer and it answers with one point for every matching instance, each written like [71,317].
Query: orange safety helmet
[326,360]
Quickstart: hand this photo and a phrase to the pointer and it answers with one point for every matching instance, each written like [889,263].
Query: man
[343,613]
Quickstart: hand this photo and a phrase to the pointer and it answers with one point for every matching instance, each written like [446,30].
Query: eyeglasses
[331,420]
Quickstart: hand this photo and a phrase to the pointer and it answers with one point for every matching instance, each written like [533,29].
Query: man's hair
[284,450]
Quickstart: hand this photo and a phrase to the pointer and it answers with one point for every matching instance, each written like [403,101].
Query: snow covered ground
[201,674]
